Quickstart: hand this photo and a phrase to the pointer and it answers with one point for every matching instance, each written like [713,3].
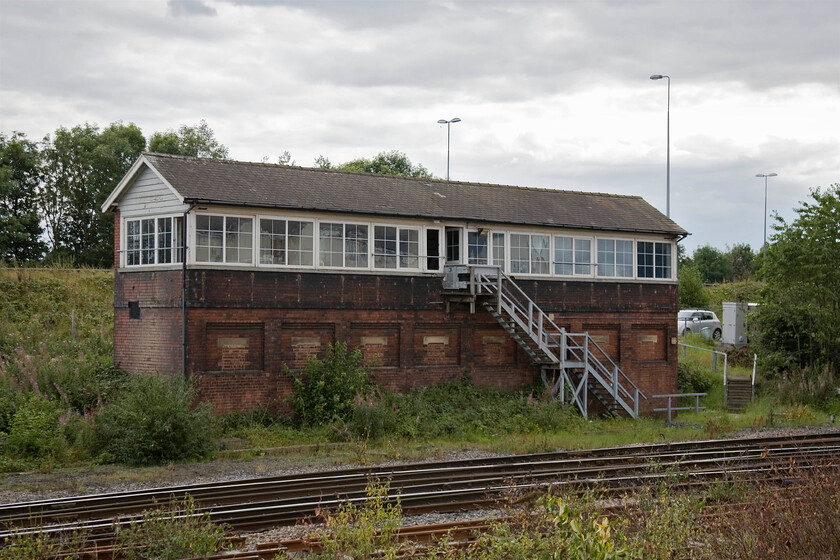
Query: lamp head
[456,119]
[765,175]
[657,77]
[443,121]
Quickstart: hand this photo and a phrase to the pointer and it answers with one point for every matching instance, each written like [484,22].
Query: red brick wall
[152,342]
[259,323]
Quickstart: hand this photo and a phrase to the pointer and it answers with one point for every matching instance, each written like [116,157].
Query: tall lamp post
[448,124]
[765,175]
[668,147]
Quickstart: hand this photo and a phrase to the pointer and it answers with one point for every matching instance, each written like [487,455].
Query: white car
[699,321]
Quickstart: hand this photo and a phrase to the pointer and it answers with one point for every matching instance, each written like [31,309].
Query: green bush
[153,422]
[172,532]
[327,388]
[694,378]
[35,431]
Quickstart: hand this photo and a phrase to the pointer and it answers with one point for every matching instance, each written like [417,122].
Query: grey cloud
[185,8]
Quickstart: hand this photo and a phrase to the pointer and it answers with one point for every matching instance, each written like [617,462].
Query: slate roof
[278,186]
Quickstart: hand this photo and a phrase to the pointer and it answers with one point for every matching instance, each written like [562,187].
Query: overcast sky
[551,94]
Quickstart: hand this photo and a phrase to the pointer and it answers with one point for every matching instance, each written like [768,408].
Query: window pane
[178,232]
[331,245]
[209,236]
[606,257]
[272,241]
[644,257]
[164,240]
[477,247]
[624,258]
[355,246]
[384,247]
[540,254]
[132,240]
[147,241]
[499,250]
[520,253]
[238,239]
[409,248]
[662,262]
[301,241]
[453,245]
[563,255]
[583,256]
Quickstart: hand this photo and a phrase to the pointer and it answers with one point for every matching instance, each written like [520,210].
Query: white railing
[561,349]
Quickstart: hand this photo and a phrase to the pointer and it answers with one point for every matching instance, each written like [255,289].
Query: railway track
[259,503]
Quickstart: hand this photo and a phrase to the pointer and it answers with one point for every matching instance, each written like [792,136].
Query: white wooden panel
[147,195]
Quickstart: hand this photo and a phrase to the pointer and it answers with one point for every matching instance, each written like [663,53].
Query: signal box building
[230,272]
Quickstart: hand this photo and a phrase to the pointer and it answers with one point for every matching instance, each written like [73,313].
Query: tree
[195,141]
[743,261]
[714,266]
[797,319]
[20,176]
[693,294]
[81,167]
[385,163]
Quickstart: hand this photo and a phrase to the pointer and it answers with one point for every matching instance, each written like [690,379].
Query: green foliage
[744,262]
[714,265]
[34,431]
[153,422]
[360,531]
[82,166]
[43,545]
[809,386]
[385,163]
[694,378]
[195,141]
[693,294]
[172,532]
[744,291]
[797,320]
[327,388]
[20,175]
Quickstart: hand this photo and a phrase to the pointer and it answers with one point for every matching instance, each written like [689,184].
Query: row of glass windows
[289,242]
[531,254]
[154,240]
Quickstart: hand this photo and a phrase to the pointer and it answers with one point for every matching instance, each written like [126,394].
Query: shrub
[35,431]
[808,386]
[694,378]
[327,388]
[153,422]
[172,532]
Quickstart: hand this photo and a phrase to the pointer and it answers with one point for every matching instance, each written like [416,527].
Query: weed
[40,545]
[176,530]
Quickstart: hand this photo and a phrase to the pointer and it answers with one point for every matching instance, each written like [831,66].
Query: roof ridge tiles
[399,177]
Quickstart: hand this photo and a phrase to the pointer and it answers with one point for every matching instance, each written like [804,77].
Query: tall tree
[20,176]
[714,266]
[693,294]
[196,141]
[743,261]
[82,166]
[385,163]
[797,318]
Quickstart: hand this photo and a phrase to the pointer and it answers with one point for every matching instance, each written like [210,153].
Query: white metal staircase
[570,366]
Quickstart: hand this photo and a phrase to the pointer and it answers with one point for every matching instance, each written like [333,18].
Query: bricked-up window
[343,245]
[396,247]
[653,260]
[615,258]
[228,239]
[529,254]
[157,240]
[499,250]
[477,251]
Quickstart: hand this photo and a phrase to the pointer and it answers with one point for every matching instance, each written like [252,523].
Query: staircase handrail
[485,279]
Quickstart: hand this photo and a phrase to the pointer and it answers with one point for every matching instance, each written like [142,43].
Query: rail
[670,408]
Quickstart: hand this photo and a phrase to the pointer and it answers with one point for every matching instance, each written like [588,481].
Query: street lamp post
[765,175]
[448,123]
[668,147]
